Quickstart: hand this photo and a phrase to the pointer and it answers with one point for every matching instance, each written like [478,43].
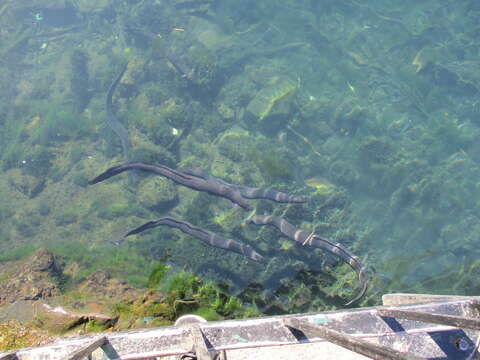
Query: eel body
[204,235]
[313,240]
[248,192]
[181,178]
[112,120]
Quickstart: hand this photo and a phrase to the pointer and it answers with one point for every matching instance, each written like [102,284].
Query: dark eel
[192,182]
[248,192]
[204,235]
[112,121]
[311,239]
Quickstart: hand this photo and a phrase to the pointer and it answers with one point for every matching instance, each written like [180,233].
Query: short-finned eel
[112,120]
[204,235]
[311,239]
[248,192]
[179,177]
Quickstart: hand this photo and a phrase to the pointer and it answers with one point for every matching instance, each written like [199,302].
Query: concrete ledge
[268,337]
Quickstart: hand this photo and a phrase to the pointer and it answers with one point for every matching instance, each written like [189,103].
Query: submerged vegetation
[370,111]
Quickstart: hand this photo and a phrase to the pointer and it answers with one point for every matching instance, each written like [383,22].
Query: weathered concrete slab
[411,299]
[269,338]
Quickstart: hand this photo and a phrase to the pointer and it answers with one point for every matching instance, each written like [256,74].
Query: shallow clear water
[370,109]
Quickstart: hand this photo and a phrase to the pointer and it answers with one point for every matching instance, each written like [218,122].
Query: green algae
[263,102]
[17,253]
[79,80]
[157,274]
[157,193]
[182,293]
[272,165]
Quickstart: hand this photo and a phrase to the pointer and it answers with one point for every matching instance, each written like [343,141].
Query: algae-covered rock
[261,105]
[192,60]
[229,219]
[313,107]
[349,116]
[101,284]
[320,184]
[272,100]
[135,72]
[225,111]
[151,152]
[14,335]
[174,111]
[376,151]
[28,185]
[212,36]
[157,193]
[60,320]
[163,124]
[274,165]
[235,144]
[79,80]
[37,278]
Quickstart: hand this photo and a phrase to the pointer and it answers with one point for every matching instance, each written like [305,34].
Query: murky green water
[369,108]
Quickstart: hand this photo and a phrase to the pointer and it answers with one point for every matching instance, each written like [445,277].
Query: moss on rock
[157,193]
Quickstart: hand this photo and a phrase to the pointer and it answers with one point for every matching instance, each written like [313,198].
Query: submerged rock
[101,284]
[37,278]
[157,193]
[192,60]
[58,319]
[54,319]
[262,105]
